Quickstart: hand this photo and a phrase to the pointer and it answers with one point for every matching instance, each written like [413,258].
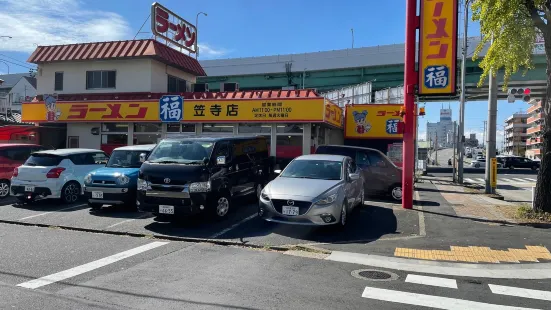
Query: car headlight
[88,178]
[123,179]
[199,187]
[264,196]
[143,185]
[327,200]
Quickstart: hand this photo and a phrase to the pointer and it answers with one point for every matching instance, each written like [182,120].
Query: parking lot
[377,219]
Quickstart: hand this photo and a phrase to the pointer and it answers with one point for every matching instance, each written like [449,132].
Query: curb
[495,271]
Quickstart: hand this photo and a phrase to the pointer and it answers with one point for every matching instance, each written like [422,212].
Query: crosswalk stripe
[430,300]
[531,180]
[480,180]
[69,273]
[433,281]
[506,180]
[519,180]
[470,180]
[520,292]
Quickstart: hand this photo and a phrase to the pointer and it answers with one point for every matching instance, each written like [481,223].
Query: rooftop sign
[174,29]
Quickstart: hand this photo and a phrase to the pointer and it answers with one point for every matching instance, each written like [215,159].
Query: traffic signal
[519,93]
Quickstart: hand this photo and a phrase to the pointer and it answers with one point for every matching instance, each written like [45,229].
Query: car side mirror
[354,176]
[221,160]
[277,171]
[142,157]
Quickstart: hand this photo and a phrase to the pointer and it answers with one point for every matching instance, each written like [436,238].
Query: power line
[15,59]
[13,63]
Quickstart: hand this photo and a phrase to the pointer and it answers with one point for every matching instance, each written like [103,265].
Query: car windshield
[181,152]
[314,169]
[125,159]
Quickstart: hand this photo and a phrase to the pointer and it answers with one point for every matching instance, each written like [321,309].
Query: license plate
[96,194]
[29,189]
[287,210]
[166,209]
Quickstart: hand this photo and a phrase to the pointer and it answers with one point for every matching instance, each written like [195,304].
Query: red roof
[252,94]
[118,50]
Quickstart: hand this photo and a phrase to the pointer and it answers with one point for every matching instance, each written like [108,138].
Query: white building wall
[19,91]
[160,73]
[83,131]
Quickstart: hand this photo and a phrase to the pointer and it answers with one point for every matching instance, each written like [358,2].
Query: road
[64,257]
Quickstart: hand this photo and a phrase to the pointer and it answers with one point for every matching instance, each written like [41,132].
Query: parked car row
[186,176]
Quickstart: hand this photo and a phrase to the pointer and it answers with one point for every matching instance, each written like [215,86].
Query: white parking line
[45,213]
[520,292]
[433,281]
[69,273]
[127,221]
[218,234]
[430,300]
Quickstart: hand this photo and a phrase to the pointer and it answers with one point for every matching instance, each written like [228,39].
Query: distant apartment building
[471,141]
[536,123]
[516,135]
[441,132]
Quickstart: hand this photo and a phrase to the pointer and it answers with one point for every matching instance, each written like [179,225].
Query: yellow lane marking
[475,254]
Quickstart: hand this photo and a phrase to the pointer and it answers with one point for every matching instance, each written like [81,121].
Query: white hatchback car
[55,174]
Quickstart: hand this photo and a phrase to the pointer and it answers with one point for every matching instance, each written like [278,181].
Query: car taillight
[55,173]
[15,172]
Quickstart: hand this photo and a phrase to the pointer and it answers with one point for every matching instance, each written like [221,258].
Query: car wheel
[396,192]
[344,216]
[4,188]
[70,192]
[477,165]
[511,167]
[221,206]
[533,168]
[95,206]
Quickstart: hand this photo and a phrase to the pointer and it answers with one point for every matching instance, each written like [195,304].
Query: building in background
[516,134]
[14,89]
[535,123]
[471,141]
[441,132]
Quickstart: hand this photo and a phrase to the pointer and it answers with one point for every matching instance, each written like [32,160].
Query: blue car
[116,183]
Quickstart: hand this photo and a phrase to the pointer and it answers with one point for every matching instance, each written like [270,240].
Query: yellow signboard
[270,110]
[493,173]
[373,121]
[333,114]
[212,111]
[438,47]
[85,111]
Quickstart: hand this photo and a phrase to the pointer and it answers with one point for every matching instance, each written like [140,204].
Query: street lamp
[197,32]
[6,65]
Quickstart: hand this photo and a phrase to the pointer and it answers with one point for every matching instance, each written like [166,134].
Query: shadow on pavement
[426,203]
[119,212]
[424,189]
[10,200]
[364,224]
[50,205]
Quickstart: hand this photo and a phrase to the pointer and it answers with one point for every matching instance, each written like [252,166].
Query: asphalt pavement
[50,268]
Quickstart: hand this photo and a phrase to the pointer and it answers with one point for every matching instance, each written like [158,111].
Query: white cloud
[206,51]
[51,22]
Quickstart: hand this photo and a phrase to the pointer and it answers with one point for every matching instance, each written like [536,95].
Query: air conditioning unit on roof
[229,87]
[200,87]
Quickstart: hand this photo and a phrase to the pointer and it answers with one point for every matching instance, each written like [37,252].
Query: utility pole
[492,118]
[436,148]
[454,139]
[484,134]
[462,99]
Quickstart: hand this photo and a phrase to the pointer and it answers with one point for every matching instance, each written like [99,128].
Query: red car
[12,156]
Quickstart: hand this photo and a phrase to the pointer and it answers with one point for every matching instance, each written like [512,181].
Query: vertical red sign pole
[410,81]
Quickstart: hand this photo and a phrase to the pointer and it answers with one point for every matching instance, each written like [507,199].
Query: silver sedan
[313,190]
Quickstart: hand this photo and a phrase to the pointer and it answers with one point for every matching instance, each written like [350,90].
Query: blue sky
[237,28]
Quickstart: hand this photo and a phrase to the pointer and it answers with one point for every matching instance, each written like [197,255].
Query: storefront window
[254,128]
[182,127]
[146,138]
[289,128]
[214,128]
[120,139]
[173,127]
[147,127]
[114,127]
[188,127]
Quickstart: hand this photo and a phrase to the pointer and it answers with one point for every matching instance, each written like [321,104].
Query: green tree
[514,26]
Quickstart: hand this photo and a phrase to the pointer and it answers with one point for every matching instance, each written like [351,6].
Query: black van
[186,176]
